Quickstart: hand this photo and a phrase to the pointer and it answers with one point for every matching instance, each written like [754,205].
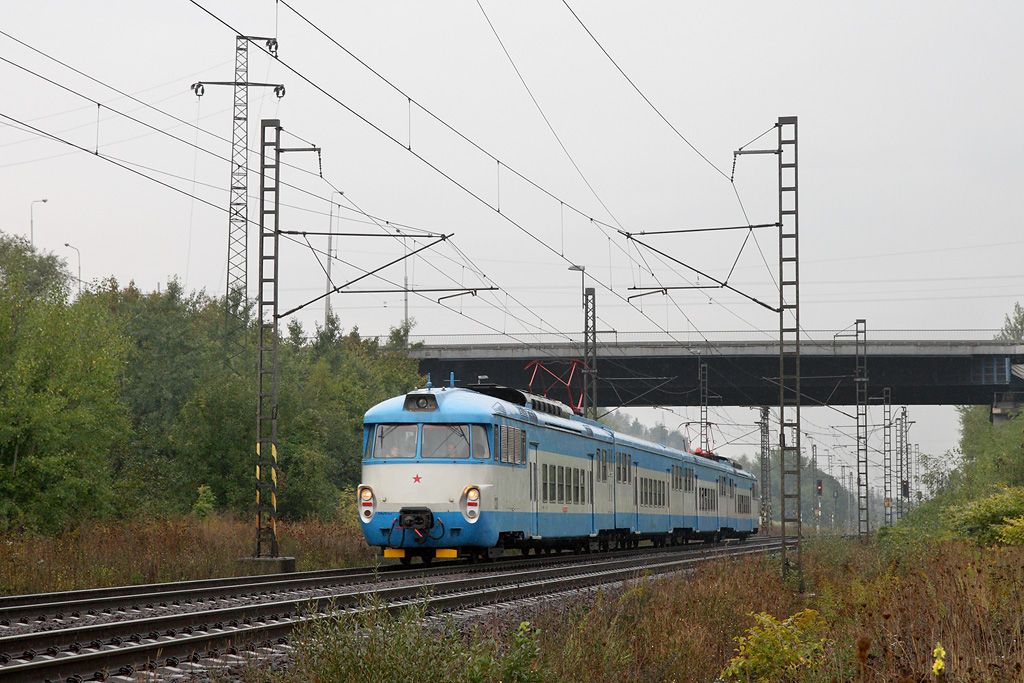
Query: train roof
[480,403]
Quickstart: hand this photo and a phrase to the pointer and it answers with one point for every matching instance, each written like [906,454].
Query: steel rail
[61,653]
[41,607]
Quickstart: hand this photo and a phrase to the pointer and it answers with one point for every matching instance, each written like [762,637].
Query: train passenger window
[583,485]
[552,482]
[629,469]
[575,485]
[590,481]
[561,484]
[544,482]
[481,444]
[604,465]
[395,441]
[445,441]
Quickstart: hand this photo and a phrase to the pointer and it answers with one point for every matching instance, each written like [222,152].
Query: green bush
[377,645]
[982,520]
[1011,532]
[776,650]
[205,502]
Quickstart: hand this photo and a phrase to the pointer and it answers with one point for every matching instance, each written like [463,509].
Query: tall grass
[148,551]
[882,613]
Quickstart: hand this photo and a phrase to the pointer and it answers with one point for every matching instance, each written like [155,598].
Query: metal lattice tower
[236,285]
[702,380]
[861,381]
[789,346]
[766,472]
[887,452]
[238,207]
[590,353]
[266,356]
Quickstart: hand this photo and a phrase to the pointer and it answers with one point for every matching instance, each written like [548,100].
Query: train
[474,471]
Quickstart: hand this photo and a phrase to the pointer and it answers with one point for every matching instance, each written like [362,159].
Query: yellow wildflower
[939,665]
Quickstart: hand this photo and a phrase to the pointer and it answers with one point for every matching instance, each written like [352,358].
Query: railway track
[265,609]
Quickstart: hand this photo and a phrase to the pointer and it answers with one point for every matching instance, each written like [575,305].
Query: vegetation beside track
[115,553]
[116,404]
[870,612]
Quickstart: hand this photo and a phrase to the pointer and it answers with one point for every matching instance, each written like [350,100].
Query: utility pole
[766,479]
[789,346]
[786,152]
[236,286]
[887,453]
[268,292]
[818,488]
[702,381]
[916,473]
[590,352]
[861,381]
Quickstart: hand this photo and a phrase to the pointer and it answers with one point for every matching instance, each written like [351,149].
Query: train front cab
[428,479]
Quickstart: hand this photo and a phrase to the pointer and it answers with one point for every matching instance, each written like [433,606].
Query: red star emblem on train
[416,479]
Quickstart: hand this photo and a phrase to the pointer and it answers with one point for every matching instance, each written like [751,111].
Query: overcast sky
[910,156]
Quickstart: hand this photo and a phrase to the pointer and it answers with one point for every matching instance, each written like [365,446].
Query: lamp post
[32,219]
[69,246]
[330,257]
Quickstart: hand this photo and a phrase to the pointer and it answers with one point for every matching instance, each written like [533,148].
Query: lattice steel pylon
[238,206]
[887,453]
[237,285]
[702,381]
[266,355]
[861,382]
[766,472]
[590,353]
[789,347]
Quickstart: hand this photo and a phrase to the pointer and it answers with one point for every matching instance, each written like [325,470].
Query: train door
[635,470]
[588,485]
[534,467]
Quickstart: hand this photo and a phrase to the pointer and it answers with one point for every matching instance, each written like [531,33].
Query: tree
[60,413]
[1013,325]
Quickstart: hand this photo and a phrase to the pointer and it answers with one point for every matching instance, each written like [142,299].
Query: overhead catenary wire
[218,207]
[448,176]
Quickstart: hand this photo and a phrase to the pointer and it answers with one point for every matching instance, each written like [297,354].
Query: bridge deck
[742,373]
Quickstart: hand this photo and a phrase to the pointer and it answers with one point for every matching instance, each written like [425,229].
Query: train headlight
[367,503]
[470,503]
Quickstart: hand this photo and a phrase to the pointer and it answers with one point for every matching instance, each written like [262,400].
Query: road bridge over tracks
[921,367]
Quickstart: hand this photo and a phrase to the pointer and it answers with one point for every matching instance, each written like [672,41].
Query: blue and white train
[450,472]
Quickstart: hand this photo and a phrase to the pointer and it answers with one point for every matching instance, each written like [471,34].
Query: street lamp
[69,246]
[31,219]
[582,270]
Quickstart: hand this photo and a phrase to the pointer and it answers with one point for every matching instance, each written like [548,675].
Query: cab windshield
[395,441]
[445,441]
[458,442]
